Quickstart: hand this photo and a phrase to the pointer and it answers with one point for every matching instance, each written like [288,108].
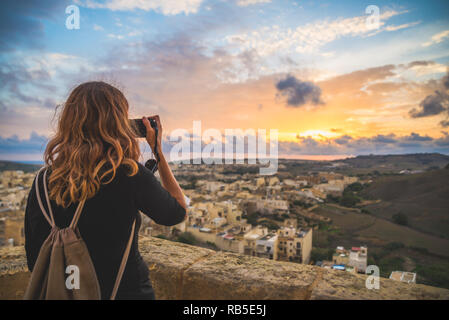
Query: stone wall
[180,271]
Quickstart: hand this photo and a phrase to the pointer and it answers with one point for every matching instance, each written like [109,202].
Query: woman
[94,157]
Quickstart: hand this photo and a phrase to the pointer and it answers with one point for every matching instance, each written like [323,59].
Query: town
[251,214]
[232,208]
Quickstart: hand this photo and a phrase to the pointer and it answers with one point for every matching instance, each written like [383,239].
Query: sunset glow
[330,83]
[318,134]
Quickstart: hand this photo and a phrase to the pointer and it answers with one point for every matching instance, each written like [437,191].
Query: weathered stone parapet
[180,271]
[14,273]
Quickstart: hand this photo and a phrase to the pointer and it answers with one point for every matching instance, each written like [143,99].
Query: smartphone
[138,127]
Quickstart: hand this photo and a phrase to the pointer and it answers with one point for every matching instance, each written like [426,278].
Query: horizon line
[284,157]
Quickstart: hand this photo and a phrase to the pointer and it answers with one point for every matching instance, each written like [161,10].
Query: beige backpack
[64,269]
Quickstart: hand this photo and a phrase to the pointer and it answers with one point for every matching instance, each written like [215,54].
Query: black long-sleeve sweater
[105,224]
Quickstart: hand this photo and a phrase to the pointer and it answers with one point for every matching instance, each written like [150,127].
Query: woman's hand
[151,134]
[167,178]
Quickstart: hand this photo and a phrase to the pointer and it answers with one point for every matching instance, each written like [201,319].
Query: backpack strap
[77,214]
[49,218]
[74,223]
[123,263]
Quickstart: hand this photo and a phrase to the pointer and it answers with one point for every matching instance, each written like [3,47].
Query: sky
[333,79]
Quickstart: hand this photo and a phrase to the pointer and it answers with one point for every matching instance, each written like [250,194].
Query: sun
[318,134]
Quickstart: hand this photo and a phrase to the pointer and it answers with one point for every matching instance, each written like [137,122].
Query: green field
[368,228]
[390,246]
[423,198]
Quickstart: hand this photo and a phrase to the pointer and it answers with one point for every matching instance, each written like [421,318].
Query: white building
[272,204]
[214,186]
[265,246]
[403,276]
[358,258]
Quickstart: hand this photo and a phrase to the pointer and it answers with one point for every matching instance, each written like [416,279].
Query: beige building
[273,181]
[229,243]
[330,176]
[272,205]
[340,257]
[349,180]
[224,209]
[250,239]
[293,245]
[202,234]
[260,182]
[291,222]
[355,259]
[289,183]
[243,195]
[334,187]
[13,228]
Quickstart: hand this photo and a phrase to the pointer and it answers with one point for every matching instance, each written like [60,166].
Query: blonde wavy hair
[93,139]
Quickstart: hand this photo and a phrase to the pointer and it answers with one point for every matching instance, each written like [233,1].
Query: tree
[191,184]
[400,218]
[392,246]
[355,187]
[252,218]
[320,254]
[269,224]
[212,245]
[349,200]
[302,204]
[186,237]
[331,198]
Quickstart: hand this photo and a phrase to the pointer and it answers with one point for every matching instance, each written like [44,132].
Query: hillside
[391,246]
[419,243]
[396,163]
[369,164]
[10,165]
[423,198]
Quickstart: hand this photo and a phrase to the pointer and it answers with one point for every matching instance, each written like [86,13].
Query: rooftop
[267,236]
[403,276]
[181,271]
